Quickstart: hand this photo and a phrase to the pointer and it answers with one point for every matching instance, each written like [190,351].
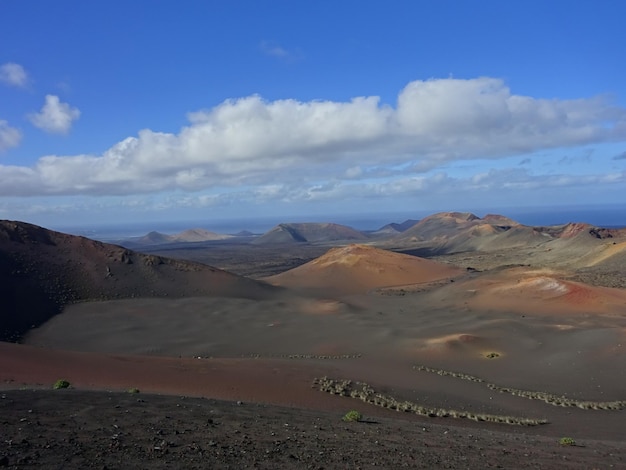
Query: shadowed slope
[42,270]
[359,268]
[395,228]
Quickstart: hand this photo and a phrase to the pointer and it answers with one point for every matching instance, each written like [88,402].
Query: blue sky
[126,111]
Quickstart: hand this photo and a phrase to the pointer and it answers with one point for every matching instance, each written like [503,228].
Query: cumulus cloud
[9,136]
[13,75]
[55,117]
[254,142]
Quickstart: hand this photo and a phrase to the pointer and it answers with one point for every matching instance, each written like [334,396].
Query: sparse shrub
[492,355]
[567,441]
[133,390]
[353,415]
[61,384]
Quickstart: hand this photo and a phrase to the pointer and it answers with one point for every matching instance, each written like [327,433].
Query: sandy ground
[479,335]
[270,352]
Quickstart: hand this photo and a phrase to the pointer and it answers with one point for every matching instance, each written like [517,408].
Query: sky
[138,111]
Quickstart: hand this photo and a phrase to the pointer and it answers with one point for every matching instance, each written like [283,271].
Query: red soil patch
[580,294]
[541,292]
[253,380]
[573,229]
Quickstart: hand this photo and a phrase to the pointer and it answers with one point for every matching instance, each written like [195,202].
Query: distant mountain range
[443,232]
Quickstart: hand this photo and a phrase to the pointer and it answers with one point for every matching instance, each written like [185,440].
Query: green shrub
[61,384]
[567,441]
[133,390]
[353,416]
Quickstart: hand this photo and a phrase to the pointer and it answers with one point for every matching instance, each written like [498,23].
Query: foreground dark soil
[78,429]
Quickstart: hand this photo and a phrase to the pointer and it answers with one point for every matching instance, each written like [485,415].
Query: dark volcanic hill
[395,228]
[42,270]
[309,232]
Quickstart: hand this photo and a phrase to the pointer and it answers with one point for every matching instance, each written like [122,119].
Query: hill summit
[359,268]
[309,232]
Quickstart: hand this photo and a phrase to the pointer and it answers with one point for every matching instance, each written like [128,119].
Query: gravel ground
[77,429]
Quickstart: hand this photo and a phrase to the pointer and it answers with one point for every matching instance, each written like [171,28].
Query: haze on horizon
[140,111]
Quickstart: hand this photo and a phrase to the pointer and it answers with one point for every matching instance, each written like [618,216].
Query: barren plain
[465,342]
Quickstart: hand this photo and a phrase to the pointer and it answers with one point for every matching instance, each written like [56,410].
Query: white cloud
[490,190]
[253,142]
[9,136]
[55,117]
[273,49]
[13,75]
[439,186]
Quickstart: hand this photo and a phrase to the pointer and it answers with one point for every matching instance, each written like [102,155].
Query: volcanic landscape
[463,342]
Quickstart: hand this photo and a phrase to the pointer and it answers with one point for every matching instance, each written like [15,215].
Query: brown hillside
[42,270]
[199,235]
[499,219]
[454,232]
[188,236]
[446,225]
[359,268]
[576,246]
[441,225]
[614,253]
